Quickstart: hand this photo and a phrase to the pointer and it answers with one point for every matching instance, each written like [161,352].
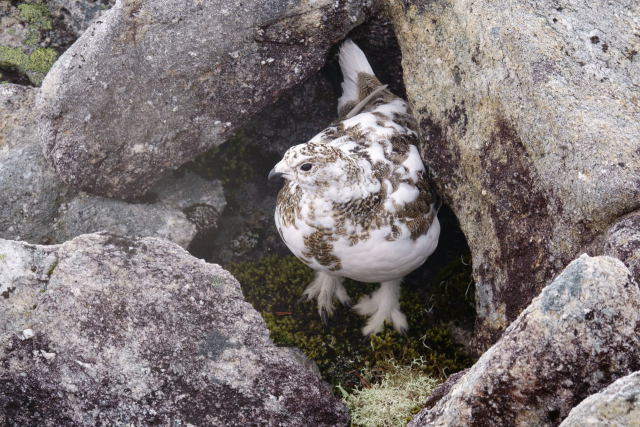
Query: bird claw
[324,316]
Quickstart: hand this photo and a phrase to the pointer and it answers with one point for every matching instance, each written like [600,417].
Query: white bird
[356,203]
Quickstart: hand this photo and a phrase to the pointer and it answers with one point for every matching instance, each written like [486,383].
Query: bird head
[319,168]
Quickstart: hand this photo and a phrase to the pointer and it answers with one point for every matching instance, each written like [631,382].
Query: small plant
[52,268]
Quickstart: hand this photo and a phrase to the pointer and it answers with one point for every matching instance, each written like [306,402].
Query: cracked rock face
[616,405]
[38,207]
[153,83]
[111,330]
[580,334]
[530,124]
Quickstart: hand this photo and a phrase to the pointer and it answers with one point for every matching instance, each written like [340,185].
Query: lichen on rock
[529,125]
[22,50]
[576,337]
[35,64]
[147,334]
[616,405]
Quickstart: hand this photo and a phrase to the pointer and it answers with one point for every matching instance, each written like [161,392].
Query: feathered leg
[324,287]
[383,305]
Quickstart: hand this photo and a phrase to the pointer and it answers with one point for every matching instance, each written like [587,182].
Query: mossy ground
[274,286]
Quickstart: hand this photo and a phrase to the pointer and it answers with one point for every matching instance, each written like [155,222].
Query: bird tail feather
[353,63]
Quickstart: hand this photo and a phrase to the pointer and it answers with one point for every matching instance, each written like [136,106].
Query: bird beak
[278,171]
[273,174]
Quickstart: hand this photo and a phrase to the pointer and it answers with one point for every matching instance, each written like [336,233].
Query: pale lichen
[393,394]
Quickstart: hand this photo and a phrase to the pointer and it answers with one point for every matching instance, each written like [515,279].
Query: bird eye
[306,167]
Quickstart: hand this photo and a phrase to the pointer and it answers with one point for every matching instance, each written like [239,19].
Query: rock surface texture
[580,334]
[153,83]
[38,207]
[30,191]
[111,330]
[616,405]
[530,120]
[622,241]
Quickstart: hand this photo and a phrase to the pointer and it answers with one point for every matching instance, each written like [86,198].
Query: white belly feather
[372,260]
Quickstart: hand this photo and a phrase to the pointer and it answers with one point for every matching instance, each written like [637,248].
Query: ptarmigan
[356,203]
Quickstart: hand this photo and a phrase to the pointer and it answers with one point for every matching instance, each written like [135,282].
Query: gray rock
[30,191]
[111,330]
[617,405]
[173,215]
[39,208]
[530,123]
[576,337]
[16,112]
[622,241]
[156,82]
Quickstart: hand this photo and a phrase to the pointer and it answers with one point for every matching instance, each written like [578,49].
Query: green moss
[36,14]
[274,286]
[13,57]
[34,65]
[32,61]
[229,162]
[41,60]
[38,18]
[235,162]
[3,257]
[394,395]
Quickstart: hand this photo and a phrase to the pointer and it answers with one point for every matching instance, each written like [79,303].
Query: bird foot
[324,288]
[383,305]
